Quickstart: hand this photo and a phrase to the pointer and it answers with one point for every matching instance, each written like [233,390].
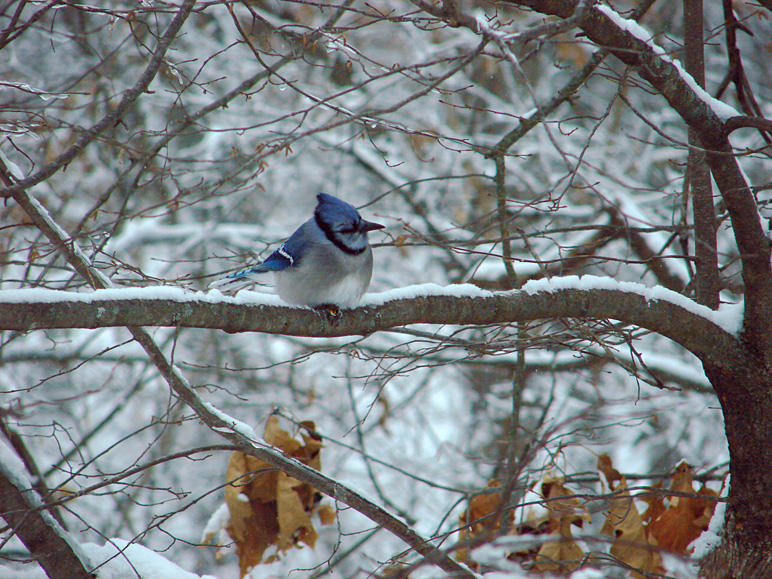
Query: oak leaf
[267,507]
[687,517]
[482,516]
[560,553]
[624,523]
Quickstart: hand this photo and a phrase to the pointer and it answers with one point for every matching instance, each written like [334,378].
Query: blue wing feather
[277,261]
[283,258]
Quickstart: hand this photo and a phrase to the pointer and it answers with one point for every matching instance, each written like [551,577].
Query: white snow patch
[728,317]
[217,522]
[722,110]
[177,294]
[424,290]
[13,168]
[711,538]
[233,424]
[123,560]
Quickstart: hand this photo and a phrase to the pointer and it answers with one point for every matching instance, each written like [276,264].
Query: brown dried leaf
[294,519]
[560,554]
[655,506]
[485,505]
[266,506]
[553,490]
[477,519]
[612,475]
[624,523]
[687,518]
[326,514]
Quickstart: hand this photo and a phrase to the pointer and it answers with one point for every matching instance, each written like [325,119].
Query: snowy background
[222,160]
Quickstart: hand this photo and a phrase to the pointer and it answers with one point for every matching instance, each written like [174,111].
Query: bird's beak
[370,226]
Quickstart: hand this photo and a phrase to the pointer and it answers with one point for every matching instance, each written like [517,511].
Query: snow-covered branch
[708,117]
[23,510]
[708,334]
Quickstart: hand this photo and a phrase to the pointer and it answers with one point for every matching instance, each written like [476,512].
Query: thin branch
[127,102]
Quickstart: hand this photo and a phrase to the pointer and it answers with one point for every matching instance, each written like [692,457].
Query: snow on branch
[706,333]
[23,510]
[711,122]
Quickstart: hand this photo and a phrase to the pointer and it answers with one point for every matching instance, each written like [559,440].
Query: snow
[24,87]
[465,290]
[728,317]
[120,559]
[171,293]
[181,295]
[13,168]
[217,522]
[11,573]
[711,538]
[234,425]
[14,468]
[721,109]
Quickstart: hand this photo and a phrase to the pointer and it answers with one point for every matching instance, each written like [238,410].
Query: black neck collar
[330,234]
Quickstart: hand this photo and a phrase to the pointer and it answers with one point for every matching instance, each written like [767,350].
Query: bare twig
[123,107]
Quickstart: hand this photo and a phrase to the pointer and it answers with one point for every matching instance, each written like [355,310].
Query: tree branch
[37,529]
[606,28]
[706,281]
[657,310]
[128,100]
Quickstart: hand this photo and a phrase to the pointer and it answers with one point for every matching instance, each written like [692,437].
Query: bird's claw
[332,312]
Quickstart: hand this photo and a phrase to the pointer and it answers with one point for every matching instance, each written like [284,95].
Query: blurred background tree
[497,144]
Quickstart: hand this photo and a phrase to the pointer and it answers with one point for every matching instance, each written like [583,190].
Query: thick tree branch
[37,529]
[706,281]
[745,121]
[661,311]
[620,37]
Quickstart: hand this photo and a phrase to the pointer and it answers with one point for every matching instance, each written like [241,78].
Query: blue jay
[327,261]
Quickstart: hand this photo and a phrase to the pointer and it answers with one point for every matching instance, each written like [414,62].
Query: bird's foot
[331,311]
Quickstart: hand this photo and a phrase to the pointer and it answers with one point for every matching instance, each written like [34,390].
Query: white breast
[326,277]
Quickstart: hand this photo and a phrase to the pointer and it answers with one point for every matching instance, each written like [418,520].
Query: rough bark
[37,531]
[746,550]
[690,327]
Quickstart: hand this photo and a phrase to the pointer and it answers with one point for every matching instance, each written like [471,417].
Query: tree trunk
[744,394]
